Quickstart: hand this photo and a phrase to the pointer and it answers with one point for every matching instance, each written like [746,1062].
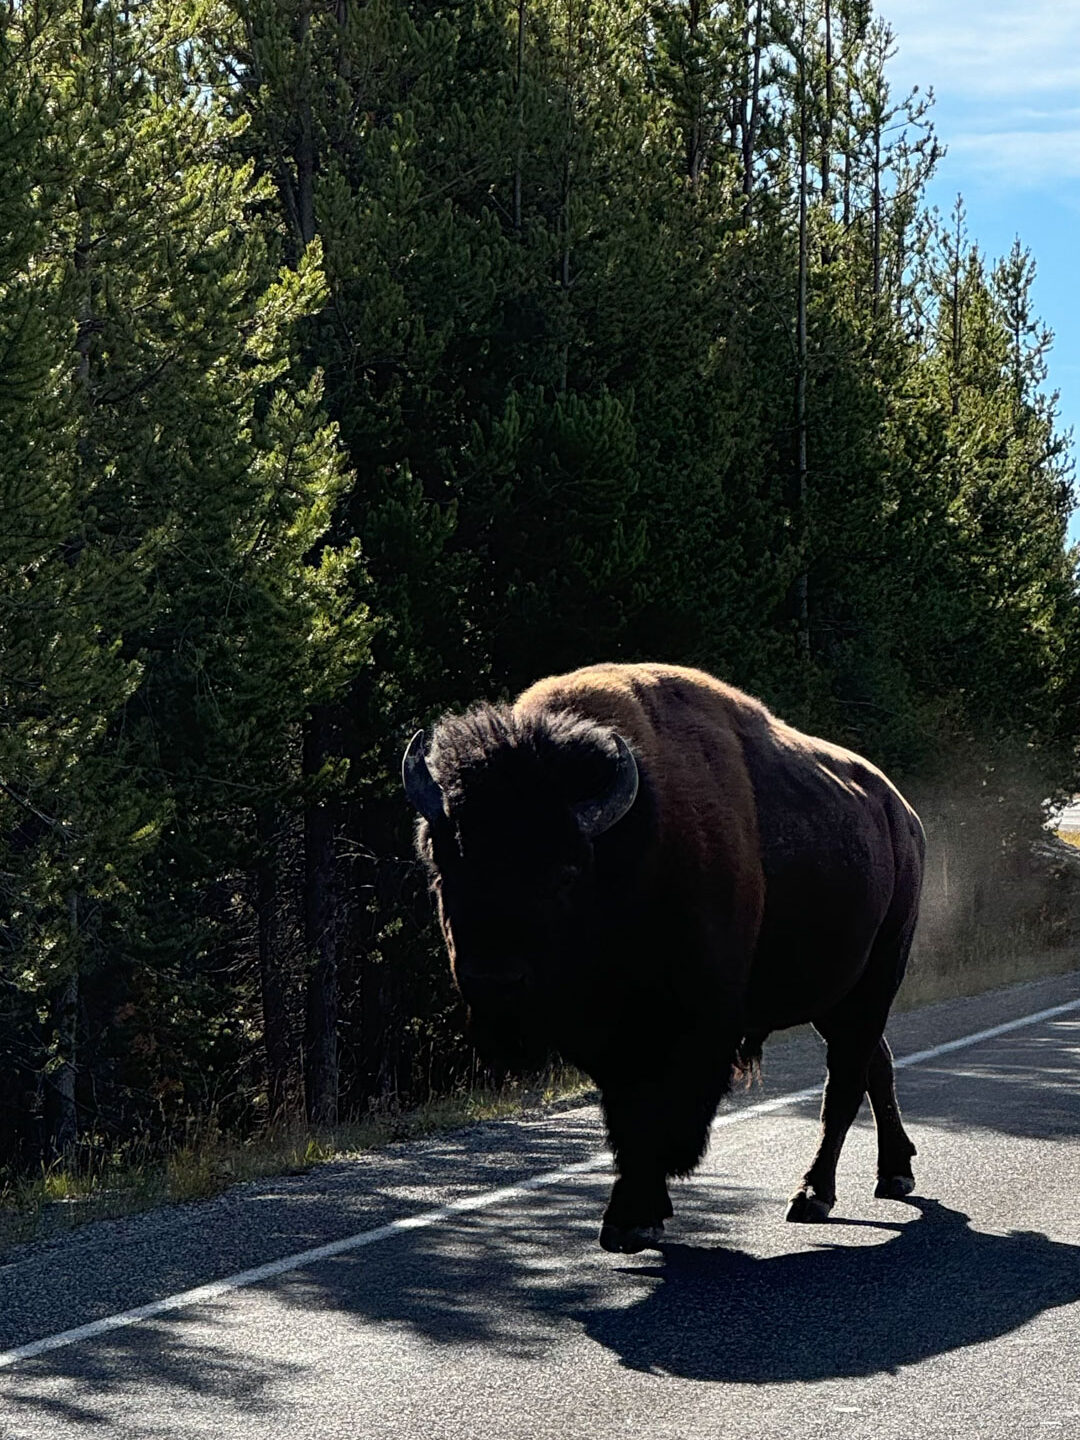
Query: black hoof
[628,1240]
[806,1208]
[893,1187]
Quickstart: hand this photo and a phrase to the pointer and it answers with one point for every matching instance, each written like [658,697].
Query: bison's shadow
[837,1310]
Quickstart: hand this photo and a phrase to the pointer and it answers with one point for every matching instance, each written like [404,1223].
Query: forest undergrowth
[100,1182]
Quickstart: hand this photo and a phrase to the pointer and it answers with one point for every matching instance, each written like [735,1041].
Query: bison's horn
[422,790]
[596,816]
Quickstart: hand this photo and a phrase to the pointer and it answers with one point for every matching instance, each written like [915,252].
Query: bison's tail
[747,1067]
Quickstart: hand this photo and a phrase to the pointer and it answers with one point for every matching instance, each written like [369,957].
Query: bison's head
[512,812]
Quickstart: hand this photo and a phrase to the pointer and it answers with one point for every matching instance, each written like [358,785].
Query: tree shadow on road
[924,1285]
[837,1310]
[498,1287]
[523,1279]
[1024,1086]
[91,1385]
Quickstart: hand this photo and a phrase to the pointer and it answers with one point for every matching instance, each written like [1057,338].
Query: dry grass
[987,961]
[101,1185]
[983,928]
[953,960]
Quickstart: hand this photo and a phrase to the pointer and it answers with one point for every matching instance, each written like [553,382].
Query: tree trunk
[567,183]
[955,260]
[305,147]
[273,978]
[66,1128]
[694,131]
[826,138]
[320,936]
[876,221]
[519,87]
[802,581]
[753,122]
[341,16]
[320,929]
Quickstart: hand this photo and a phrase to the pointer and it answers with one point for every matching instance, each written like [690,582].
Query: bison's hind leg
[851,1036]
[807,1207]
[859,1062]
[850,1077]
[895,1178]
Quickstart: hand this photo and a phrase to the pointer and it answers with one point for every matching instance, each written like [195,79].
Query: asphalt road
[956,1314]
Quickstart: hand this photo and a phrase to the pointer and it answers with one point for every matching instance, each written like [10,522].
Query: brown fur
[713,755]
[762,879]
[685,727]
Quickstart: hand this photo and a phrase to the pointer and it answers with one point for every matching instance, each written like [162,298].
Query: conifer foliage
[365,358]
[170,605]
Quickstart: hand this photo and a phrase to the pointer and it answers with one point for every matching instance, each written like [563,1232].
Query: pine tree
[362,360]
[197,481]
[64,808]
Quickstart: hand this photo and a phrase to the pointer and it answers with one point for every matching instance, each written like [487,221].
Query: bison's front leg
[635,1214]
[657,1128]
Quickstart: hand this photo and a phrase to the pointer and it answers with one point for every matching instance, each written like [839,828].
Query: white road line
[920,1055]
[427,1218]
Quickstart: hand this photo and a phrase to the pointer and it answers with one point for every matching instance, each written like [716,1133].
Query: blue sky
[1006,80]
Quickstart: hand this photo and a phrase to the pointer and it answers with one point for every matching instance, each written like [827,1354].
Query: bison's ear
[596,816]
[424,794]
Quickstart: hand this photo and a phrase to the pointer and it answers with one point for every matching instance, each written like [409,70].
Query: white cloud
[1056,116]
[1023,159]
[1006,49]
[1006,74]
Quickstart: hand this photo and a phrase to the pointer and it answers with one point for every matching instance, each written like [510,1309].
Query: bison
[643,868]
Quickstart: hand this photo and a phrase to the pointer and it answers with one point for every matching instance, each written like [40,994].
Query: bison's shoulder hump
[649,702]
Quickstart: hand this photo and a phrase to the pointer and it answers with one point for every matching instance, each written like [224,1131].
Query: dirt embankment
[994,916]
